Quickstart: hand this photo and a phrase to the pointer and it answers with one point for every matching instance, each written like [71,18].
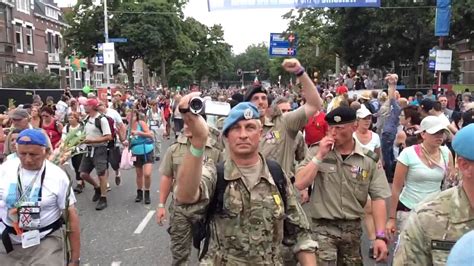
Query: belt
[7,242]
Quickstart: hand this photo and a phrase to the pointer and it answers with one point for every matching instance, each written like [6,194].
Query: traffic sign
[432,60]
[100,58]
[122,40]
[282,45]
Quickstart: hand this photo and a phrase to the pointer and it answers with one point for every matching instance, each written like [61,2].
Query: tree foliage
[32,80]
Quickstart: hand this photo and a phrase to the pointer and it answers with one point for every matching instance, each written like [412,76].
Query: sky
[242,27]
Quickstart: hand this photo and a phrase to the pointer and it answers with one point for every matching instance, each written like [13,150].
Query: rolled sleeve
[296,218]
[295,120]
[379,188]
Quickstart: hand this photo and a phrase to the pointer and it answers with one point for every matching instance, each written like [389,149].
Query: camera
[198,105]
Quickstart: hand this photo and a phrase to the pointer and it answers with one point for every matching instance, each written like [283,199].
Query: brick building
[30,37]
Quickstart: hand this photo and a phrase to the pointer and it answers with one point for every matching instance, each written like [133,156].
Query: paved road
[126,233]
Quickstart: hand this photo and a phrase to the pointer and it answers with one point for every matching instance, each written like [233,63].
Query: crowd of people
[289,175]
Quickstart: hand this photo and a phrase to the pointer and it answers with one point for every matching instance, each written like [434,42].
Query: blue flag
[443,17]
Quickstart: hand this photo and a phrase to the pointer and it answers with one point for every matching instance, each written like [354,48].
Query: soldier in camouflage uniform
[342,177]
[249,230]
[437,223]
[180,224]
[281,129]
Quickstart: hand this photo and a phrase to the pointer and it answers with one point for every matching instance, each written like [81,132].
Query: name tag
[30,239]
[330,161]
[442,245]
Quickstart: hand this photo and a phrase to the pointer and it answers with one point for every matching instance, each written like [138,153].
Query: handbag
[126,162]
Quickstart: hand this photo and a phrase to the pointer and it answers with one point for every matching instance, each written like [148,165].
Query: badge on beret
[248,114]
[337,119]
[25,139]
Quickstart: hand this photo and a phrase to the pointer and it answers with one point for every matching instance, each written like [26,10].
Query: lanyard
[23,194]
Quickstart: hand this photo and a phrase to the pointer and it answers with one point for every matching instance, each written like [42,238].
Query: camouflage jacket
[250,230]
[433,228]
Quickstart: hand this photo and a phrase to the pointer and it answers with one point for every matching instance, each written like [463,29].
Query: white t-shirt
[112,113]
[372,145]
[421,180]
[92,131]
[54,192]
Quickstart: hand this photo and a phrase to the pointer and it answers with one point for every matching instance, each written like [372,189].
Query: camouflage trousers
[338,240]
[181,238]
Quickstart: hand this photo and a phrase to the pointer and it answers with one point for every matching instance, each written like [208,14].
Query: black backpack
[201,229]
[111,122]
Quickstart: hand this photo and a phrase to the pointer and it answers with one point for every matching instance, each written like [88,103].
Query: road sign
[121,40]
[240,4]
[109,53]
[443,60]
[282,45]
[100,58]
[432,60]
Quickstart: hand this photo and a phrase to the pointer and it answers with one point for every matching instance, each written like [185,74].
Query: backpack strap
[215,206]
[97,123]
[279,178]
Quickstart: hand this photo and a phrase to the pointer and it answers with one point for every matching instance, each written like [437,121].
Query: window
[23,6]
[57,43]
[50,42]
[29,39]
[52,13]
[9,25]
[19,37]
[77,75]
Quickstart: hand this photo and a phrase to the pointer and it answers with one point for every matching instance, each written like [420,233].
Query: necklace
[430,159]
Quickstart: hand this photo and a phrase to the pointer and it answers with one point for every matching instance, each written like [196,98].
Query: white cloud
[242,27]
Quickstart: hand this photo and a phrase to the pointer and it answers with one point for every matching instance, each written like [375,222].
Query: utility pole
[106,66]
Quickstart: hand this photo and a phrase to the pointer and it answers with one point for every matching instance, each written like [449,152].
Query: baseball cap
[461,142]
[19,114]
[92,102]
[243,110]
[342,90]
[363,112]
[32,137]
[431,124]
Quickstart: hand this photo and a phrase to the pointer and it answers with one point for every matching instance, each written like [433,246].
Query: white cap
[363,112]
[432,124]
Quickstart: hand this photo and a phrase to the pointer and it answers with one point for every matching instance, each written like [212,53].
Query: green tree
[32,80]
[255,57]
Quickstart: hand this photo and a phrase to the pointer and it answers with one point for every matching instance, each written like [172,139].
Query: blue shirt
[393,119]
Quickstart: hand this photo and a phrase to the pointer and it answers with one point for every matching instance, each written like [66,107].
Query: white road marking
[144,222]
[128,249]
[116,263]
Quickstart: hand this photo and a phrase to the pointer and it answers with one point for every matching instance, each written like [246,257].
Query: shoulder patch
[372,155]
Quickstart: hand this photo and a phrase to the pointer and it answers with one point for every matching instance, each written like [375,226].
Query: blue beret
[243,110]
[461,142]
[462,254]
[32,137]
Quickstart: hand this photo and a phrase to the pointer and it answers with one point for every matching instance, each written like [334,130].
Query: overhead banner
[443,17]
[242,4]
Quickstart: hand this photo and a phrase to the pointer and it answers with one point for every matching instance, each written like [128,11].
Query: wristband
[300,72]
[161,205]
[196,152]
[380,234]
[316,161]
[384,239]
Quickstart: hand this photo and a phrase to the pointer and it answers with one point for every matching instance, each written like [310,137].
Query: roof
[40,7]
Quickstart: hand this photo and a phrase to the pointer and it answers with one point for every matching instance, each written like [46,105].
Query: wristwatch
[383,238]
[161,205]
